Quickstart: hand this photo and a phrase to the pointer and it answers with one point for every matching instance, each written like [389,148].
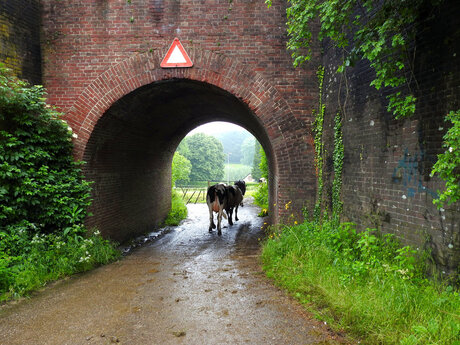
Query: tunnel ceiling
[168,110]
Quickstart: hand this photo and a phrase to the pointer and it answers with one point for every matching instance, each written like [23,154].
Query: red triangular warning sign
[176,56]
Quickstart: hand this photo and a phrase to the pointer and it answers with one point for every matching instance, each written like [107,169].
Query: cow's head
[241,185]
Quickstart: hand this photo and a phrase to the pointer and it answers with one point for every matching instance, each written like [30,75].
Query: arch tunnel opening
[129,153]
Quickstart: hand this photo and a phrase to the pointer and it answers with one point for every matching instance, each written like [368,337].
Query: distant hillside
[233,141]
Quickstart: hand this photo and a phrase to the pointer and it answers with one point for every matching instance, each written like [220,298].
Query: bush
[261,197]
[41,187]
[48,257]
[44,197]
[178,210]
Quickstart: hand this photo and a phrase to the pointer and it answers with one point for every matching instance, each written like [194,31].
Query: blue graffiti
[408,174]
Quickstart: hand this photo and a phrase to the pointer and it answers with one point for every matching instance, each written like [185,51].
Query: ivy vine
[448,164]
[318,143]
[337,159]
[382,32]
[379,31]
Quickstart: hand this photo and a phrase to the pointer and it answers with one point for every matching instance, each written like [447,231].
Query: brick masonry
[387,164]
[99,54]
[20,38]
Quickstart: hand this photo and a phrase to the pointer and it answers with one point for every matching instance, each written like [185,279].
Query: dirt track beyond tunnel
[187,287]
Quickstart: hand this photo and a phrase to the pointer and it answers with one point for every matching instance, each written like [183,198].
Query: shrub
[41,186]
[178,210]
[43,195]
[261,198]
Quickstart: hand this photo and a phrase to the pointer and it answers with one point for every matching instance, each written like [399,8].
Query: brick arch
[142,69]
[286,139]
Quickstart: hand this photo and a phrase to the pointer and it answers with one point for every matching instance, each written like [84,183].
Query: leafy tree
[263,165]
[247,150]
[41,187]
[181,168]
[206,155]
[232,143]
[256,173]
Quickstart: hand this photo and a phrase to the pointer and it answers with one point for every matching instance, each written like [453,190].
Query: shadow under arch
[136,109]
[130,150]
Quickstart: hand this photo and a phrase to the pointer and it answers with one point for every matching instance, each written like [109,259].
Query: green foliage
[261,197]
[337,159]
[29,262]
[43,196]
[181,168]
[247,151]
[263,165]
[256,173]
[379,31]
[178,209]
[362,283]
[261,193]
[319,144]
[206,155]
[41,187]
[448,163]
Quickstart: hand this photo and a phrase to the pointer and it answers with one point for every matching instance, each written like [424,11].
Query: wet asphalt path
[187,287]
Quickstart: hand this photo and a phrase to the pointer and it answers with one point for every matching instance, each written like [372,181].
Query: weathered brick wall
[386,171]
[20,38]
[97,52]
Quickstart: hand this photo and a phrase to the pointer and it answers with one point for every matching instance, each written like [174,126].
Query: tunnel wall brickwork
[20,38]
[387,164]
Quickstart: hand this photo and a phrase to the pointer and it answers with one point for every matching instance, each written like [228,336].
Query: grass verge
[363,283]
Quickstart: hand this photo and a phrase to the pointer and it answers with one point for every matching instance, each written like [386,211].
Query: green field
[234,172]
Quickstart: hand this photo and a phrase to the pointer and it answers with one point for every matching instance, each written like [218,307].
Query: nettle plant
[41,186]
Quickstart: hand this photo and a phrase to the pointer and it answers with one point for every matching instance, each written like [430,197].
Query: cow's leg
[219,222]
[211,219]
[230,214]
[236,213]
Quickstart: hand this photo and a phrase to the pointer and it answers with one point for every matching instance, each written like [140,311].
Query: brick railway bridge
[102,68]
[100,62]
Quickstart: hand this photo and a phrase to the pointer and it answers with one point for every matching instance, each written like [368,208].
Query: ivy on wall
[318,143]
[383,33]
[378,31]
[448,164]
[337,159]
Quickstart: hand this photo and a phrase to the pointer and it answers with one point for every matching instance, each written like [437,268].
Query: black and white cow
[216,199]
[234,199]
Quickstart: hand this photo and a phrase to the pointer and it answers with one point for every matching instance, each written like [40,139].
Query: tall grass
[363,283]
